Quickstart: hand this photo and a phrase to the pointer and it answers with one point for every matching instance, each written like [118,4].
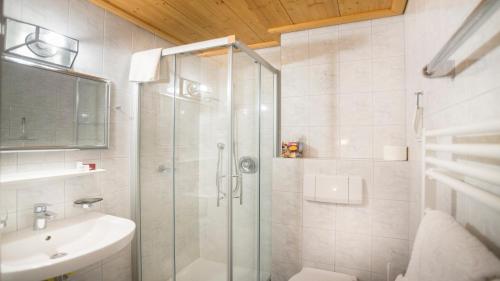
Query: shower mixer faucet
[236,178]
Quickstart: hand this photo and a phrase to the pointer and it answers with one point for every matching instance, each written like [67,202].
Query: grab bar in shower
[440,65]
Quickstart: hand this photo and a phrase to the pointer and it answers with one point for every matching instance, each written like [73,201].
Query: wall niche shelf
[43,175]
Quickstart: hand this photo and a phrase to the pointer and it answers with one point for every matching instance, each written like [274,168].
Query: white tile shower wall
[343,88]
[343,94]
[106,43]
[470,97]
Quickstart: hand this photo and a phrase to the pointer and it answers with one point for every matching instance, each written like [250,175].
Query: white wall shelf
[42,175]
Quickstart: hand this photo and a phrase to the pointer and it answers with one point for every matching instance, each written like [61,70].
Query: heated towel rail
[440,65]
[452,173]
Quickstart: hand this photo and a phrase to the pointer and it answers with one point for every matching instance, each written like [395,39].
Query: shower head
[220,145]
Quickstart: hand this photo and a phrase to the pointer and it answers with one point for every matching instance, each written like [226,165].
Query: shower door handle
[220,193]
[239,185]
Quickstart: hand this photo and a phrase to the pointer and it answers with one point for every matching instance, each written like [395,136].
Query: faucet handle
[50,215]
[40,208]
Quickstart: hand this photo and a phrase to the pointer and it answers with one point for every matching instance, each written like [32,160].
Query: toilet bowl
[312,274]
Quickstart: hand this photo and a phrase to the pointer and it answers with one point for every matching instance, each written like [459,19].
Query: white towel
[445,251]
[148,66]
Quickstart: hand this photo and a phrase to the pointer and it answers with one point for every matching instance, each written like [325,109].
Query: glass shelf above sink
[40,175]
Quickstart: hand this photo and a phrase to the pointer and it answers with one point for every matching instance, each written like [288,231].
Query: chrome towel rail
[440,65]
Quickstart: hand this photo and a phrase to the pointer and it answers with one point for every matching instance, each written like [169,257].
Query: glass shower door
[245,208]
[156,104]
[267,88]
[206,148]
[201,157]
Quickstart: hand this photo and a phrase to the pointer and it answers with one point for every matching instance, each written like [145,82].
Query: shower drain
[58,255]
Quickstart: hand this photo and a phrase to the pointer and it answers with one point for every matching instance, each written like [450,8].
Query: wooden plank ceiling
[257,23]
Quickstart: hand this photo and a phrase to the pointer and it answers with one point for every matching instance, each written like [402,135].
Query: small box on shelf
[292,149]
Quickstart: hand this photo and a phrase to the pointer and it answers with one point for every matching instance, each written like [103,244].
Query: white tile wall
[343,94]
[106,43]
[286,230]
[470,97]
[358,239]
[343,88]
[351,251]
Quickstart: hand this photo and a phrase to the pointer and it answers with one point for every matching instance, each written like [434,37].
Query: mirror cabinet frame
[72,73]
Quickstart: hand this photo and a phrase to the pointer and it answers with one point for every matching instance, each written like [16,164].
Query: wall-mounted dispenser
[35,43]
[395,153]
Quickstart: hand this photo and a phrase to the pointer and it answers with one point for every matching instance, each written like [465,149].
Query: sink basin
[65,246]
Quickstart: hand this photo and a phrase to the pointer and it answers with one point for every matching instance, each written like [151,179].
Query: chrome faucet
[41,216]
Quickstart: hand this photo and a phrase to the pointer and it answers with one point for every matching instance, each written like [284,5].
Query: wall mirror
[50,108]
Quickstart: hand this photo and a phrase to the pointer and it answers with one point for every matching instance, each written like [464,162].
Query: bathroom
[326,140]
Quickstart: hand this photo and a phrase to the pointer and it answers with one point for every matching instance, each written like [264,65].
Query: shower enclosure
[206,136]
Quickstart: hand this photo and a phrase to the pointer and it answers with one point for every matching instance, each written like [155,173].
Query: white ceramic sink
[65,246]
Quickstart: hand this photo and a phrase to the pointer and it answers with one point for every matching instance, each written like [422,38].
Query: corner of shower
[203,147]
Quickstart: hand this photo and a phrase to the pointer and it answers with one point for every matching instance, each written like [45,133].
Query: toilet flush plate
[334,189]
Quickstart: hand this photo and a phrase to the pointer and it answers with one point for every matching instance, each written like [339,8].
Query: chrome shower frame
[231,43]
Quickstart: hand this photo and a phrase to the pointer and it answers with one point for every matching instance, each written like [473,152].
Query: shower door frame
[230,43]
